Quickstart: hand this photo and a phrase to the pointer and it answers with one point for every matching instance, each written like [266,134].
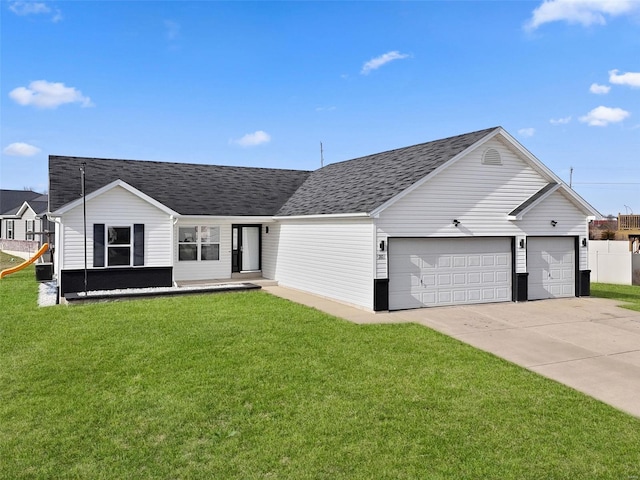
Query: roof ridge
[206,165]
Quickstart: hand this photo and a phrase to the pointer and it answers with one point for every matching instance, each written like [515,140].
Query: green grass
[250,386]
[628,294]
[8,261]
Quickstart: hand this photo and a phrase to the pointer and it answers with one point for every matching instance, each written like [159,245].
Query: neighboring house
[10,203]
[468,219]
[23,221]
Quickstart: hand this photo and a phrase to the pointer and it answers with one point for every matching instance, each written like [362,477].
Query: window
[10,229]
[198,243]
[29,228]
[118,246]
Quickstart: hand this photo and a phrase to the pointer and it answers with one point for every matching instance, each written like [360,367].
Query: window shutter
[138,244]
[98,244]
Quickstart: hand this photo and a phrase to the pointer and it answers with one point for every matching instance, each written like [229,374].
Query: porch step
[246,275]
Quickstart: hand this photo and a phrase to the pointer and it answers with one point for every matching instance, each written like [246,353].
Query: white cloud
[28,8]
[603,116]
[172,29]
[252,139]
[631,79]
[583,12]
[43,94]
[21,150]
[527,132]
[599,89]
[560,121]
[383,59]
[23,8]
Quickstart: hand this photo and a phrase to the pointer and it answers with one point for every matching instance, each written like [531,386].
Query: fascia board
[227,218]
[377,211]
[530,157]
[23,208]
[116,183]
[327,216]
[580,202]
[542,168]
[535,203]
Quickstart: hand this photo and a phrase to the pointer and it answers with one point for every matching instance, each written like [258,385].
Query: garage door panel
[460,279]
[459,271]
[551,267]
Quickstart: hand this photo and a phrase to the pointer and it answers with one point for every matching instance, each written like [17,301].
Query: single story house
[24,225]
[469,219]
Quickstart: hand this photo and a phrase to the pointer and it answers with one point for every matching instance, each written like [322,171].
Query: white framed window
[10,229]
[29,229]
[198,243]
[119,243]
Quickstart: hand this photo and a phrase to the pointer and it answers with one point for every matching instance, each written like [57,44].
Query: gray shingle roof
[189,189]
[12,200]
[363,184]
[353,186]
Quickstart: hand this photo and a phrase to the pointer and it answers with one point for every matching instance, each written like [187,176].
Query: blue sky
[263,83]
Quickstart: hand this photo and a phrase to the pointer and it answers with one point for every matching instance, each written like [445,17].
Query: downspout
[174,221]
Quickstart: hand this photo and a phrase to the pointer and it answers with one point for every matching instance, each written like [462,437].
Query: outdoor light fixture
[584,242]
[553,223]
[382,246]
[266,229]
[456,223]
[522,243]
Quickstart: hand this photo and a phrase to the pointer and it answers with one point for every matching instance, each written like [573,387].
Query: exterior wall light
[584,242]
[382,246]
[456,223]
[522,243]
[553,223]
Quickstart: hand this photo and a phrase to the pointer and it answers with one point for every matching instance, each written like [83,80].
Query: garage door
[551,267]
[448,271]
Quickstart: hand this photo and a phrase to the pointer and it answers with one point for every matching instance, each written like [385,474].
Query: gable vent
[491,157]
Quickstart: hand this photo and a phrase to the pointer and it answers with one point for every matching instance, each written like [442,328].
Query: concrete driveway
[589,344]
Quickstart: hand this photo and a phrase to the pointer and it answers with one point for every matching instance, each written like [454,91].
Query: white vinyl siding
[330,258]
[570,222]
[480,197]
[115,207]
[204,270]
[270,242]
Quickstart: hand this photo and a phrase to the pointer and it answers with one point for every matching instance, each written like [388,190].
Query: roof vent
[491,156]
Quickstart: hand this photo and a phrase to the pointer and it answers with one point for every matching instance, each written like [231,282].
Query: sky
[263,84]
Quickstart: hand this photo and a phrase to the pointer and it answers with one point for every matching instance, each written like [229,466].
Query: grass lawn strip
[247,385]
[628,294]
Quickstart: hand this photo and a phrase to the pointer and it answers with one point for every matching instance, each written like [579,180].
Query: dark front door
[245,250]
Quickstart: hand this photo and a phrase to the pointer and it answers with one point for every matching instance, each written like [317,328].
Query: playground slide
[17,268]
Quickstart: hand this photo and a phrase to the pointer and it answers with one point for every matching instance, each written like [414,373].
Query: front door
[245,252]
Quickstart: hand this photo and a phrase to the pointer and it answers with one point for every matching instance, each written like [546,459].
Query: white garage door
[448,271]
[551,267]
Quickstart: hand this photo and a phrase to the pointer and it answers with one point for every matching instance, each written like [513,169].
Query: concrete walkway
[589,344]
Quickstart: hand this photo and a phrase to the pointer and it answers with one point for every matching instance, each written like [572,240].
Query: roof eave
[322,215]
[117,183]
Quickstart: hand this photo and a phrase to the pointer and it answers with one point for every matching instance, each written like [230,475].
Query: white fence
[610,261]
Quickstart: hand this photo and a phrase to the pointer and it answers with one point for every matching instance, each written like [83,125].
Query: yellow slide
[17,268]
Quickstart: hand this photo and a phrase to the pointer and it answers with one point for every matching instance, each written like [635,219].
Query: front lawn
[628,294]
[250,386]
